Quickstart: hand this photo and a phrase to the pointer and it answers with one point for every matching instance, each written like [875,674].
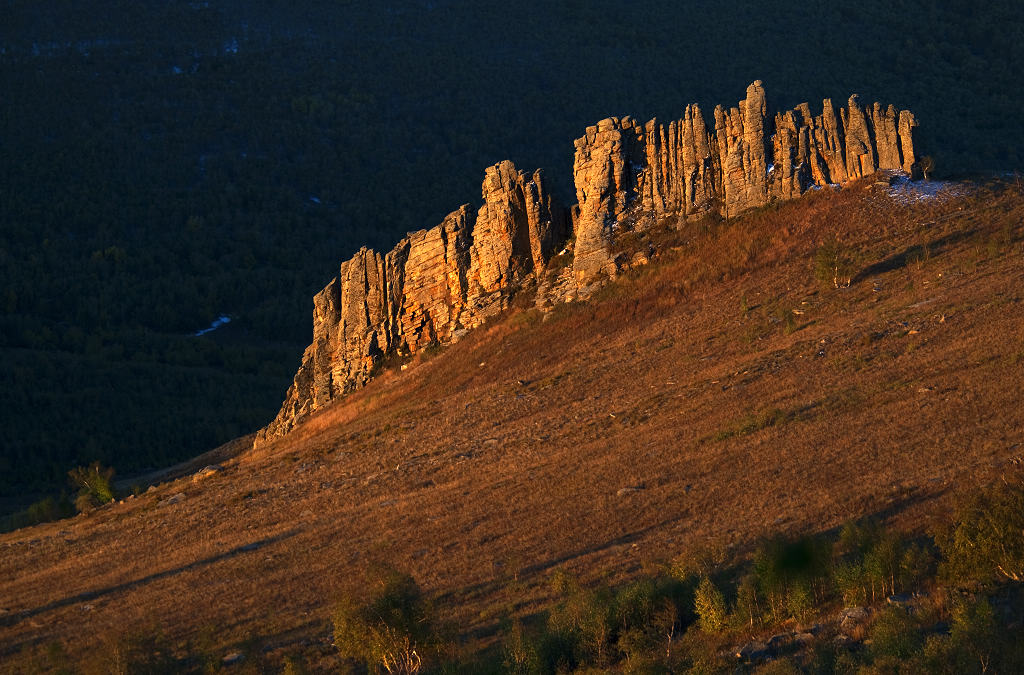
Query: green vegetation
[986,544]
[43,511]
[94,483]
[710,606]
[392,631]
[916,612]
[835,265]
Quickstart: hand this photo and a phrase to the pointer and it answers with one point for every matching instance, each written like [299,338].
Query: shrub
[519,652]
[584,618]
[834,263]
[974,635]
[392,631]
[43,511]
[800,602]
[94,483]
[985,542]
[894,635]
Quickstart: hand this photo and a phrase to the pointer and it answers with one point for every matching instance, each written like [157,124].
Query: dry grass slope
[716,396]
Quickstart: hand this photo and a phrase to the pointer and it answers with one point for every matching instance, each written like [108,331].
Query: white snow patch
[315,200]
[217,323]
[906,191]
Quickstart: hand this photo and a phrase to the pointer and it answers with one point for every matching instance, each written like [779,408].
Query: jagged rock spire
[430,288]
[437,283]
[625,171]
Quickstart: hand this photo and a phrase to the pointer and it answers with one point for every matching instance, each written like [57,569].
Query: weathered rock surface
[438,283]
[628,174]
[432,287]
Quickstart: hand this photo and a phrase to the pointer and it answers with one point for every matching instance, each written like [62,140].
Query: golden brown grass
[735,393]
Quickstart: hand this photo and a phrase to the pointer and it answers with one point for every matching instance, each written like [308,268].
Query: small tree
[927,165]
[748,609]
[94,483]
[709,604]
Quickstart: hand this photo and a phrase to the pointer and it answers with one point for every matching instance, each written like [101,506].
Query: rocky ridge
[438,283]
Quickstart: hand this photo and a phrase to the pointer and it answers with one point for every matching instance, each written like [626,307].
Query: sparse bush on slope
[835,264]
[391,631]
[94,483]
[986,540]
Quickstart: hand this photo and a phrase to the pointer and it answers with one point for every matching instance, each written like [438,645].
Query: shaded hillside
[720,394]
[167,163]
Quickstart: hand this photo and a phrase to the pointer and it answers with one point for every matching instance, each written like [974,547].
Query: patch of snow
[176,70]
[771,168]
[315,200]
[217,323]
[906,191]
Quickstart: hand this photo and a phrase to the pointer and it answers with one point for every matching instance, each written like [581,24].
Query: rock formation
[431,288]
[625,171]
[438,283]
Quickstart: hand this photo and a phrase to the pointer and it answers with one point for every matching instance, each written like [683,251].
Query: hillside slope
[168,163]
[719,394]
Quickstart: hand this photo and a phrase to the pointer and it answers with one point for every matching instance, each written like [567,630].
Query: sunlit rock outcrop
[436,284]
[430,288]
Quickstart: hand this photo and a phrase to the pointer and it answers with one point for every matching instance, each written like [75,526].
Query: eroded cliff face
[627,173]
[436,284]
[432,287]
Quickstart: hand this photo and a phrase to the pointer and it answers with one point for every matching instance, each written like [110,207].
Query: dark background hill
[166,163]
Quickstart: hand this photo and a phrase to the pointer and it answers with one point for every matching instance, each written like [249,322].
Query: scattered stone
[174,499]
[206,472]
[857,614]
[233,658]
[899,599]
[851,617]
[629,490]
[752,651]
[780,642]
